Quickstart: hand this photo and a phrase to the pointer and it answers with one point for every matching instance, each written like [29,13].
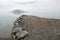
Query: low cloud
[25,3]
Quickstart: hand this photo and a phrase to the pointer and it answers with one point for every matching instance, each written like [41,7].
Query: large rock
[40,28]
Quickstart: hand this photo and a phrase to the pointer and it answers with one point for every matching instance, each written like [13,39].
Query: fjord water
[40,8]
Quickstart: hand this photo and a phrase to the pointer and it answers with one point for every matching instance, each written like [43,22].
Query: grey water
[40,8]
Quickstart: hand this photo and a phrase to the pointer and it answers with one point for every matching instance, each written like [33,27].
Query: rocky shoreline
[37,28]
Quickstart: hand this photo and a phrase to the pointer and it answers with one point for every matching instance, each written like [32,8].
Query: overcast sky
[42,8]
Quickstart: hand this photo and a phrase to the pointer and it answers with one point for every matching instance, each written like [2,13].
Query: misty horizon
[40,8]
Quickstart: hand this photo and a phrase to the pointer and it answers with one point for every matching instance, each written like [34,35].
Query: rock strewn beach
[39,28]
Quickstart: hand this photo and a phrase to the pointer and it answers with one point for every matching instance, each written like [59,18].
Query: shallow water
[41,8]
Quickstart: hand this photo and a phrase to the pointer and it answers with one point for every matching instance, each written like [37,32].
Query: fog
[40,8]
